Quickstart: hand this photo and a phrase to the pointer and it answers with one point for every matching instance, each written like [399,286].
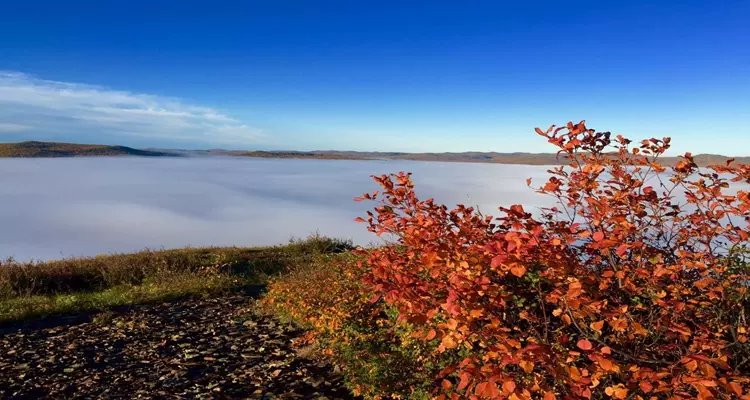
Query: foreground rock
[195,348]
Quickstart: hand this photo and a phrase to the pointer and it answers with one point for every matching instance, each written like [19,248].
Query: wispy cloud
[33,105]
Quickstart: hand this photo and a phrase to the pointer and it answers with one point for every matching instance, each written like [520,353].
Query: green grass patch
[35,289]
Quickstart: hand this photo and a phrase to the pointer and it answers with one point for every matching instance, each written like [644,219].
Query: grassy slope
[83,284]
[50,149]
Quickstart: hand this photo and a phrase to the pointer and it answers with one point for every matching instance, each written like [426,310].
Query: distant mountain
[52,149]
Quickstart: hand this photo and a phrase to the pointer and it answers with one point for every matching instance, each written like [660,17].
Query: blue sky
[367,75]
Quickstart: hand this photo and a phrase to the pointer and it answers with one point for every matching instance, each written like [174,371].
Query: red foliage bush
[635,286]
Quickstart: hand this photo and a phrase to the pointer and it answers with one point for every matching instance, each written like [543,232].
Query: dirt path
[194,348]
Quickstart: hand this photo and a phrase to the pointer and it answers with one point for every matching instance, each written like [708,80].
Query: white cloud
[31,104]
[7,127]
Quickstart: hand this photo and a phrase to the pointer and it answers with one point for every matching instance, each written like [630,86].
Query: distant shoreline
[36,149]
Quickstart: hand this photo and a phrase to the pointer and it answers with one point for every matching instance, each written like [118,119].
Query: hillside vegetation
[29,289]
[52,149]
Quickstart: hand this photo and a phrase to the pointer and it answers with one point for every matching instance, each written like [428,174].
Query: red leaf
[598,236]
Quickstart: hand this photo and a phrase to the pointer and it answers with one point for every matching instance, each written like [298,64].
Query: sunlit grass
[30,290]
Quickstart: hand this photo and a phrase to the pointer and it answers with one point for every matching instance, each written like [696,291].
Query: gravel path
[194,348]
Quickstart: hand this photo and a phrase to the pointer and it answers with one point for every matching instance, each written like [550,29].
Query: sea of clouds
[54,208]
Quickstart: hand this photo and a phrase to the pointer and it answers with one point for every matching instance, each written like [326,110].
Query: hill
[52,149]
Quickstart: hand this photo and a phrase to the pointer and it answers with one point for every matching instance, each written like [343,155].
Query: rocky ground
[194,348]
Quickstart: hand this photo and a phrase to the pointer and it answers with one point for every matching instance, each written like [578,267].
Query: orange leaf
[518,270]
[598,236]
[584,344]
[448,342]
[509,386]
[621,393]
[605,364]
[646,386]
[527,366]
[487,389]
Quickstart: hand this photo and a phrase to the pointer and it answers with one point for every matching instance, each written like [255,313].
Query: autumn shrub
[329,298]
[635,286]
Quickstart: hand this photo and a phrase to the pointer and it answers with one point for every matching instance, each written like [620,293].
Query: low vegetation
[51,149]
[636,286]
[44,288]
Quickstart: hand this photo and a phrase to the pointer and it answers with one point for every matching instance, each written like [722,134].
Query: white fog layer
[54,208]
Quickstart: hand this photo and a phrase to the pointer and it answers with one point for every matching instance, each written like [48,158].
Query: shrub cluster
[635,286]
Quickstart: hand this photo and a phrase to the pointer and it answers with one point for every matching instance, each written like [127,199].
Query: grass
[35,289]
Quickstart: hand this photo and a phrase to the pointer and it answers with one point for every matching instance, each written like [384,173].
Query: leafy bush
[634,286]
[329,298]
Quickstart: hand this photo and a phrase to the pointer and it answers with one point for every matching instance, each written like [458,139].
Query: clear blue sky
[374,75]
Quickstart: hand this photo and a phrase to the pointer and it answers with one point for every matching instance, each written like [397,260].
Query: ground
[189,348]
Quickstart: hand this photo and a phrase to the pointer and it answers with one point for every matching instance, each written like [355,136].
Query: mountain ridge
[37,149]
[60,149]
